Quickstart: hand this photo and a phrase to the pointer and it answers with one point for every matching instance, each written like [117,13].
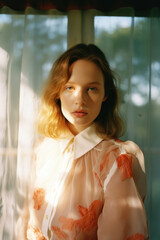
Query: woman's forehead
[85,67]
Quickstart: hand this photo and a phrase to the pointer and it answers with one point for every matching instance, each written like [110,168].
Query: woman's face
[82,96]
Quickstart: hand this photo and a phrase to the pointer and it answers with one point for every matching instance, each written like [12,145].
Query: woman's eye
[69,88]
[92,89]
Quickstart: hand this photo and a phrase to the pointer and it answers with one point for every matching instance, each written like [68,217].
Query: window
[132,48]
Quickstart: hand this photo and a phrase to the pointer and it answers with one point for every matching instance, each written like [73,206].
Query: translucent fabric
[29,43]
[85,188]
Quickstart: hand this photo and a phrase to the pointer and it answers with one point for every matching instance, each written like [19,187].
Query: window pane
[122,40]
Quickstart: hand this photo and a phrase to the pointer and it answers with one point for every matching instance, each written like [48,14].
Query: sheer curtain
[29,43]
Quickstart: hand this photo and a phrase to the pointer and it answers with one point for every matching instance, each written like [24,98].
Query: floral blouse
[87,188]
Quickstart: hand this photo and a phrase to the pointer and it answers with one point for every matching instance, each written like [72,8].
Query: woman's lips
[79,113]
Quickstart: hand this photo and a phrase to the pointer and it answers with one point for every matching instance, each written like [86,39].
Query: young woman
[88,185]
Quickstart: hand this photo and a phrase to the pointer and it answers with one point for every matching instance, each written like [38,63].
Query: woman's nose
[80,97]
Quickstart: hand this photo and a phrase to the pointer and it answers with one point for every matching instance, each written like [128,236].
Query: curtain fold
[29,43]
[10,69]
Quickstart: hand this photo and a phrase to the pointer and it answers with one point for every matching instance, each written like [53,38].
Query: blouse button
[47,217]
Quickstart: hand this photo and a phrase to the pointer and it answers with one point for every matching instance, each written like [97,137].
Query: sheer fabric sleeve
[123,216]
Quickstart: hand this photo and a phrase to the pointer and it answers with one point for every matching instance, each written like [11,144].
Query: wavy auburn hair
[51,122]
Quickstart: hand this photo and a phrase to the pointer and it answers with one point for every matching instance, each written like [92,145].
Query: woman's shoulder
[124,146]
[45,145]
[112,149]
[128,147]
[46,141]
[132,148]
[119,152]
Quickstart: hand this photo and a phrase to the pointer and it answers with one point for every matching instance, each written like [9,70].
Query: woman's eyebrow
[95,83]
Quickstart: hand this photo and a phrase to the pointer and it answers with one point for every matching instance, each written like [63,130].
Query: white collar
[85,141]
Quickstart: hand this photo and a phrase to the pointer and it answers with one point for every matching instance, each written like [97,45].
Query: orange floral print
[124,162]
[34,234]
[88,220]
[59,233]
[82,210]
[38,198]
[137,236]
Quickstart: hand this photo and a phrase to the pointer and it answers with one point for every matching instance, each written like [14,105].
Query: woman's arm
[123,216]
